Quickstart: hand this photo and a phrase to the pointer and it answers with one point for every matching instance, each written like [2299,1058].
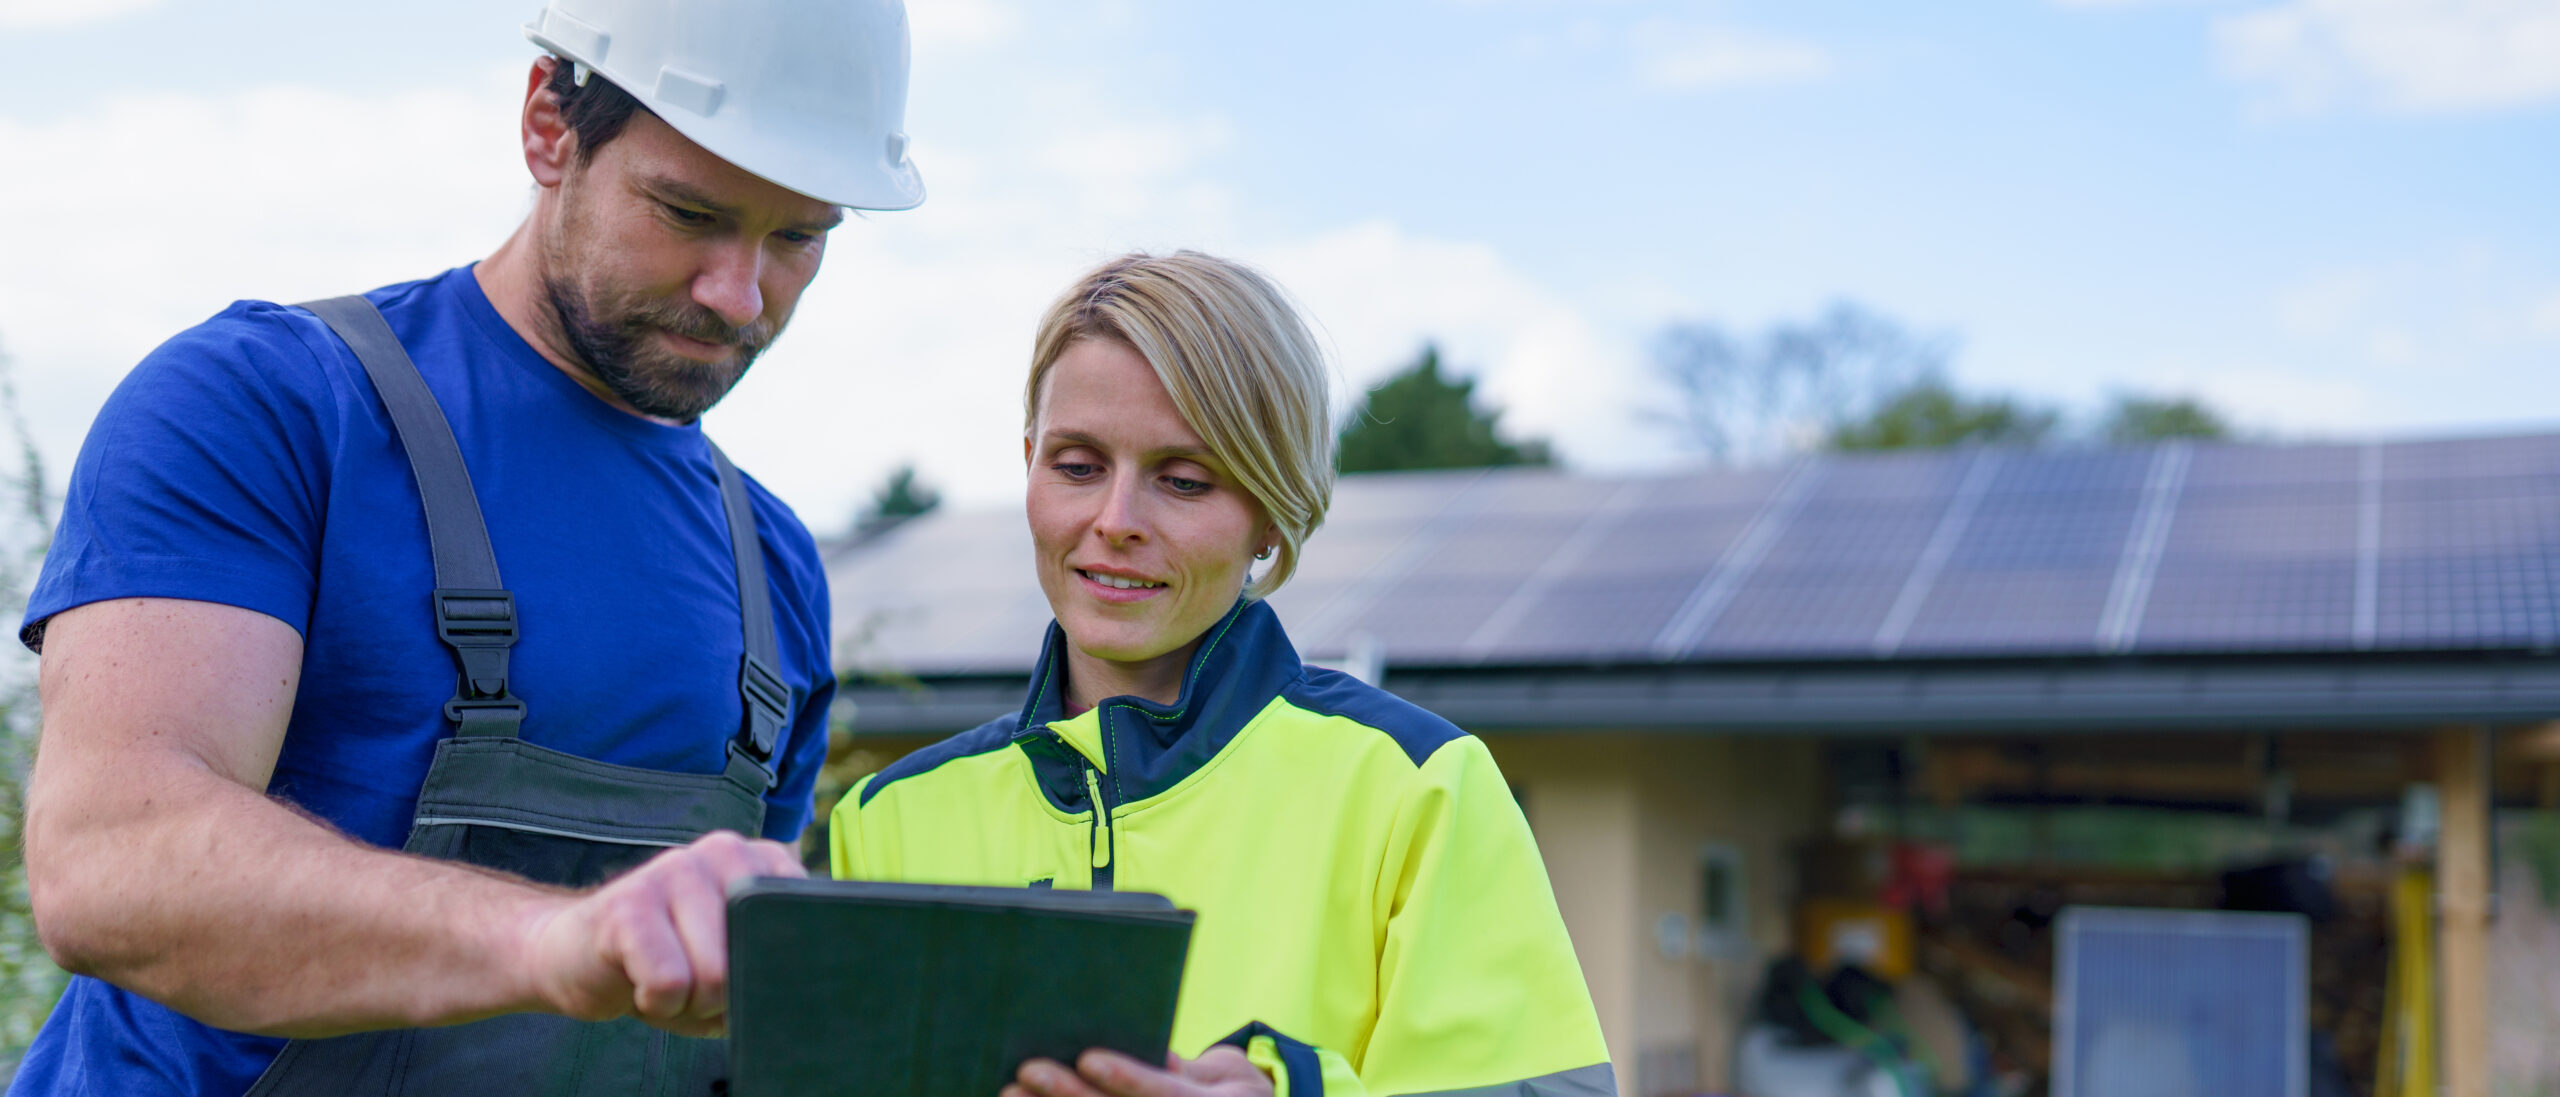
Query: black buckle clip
[768,708]
[489,710]
[480,627]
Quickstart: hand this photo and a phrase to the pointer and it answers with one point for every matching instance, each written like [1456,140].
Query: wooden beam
[1973,772]
[2462,904]
[2539,743]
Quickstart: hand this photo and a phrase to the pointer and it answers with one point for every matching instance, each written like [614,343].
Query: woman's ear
[1026,453]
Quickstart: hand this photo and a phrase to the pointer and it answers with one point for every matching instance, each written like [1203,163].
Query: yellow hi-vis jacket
[1373,914]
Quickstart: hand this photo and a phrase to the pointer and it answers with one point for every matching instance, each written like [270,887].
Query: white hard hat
[811,94]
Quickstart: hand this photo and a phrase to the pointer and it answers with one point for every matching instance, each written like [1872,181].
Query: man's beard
[659,383]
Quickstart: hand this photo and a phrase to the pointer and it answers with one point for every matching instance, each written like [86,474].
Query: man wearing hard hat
[382,631]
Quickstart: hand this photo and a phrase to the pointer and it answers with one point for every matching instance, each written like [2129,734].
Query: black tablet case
[908,990]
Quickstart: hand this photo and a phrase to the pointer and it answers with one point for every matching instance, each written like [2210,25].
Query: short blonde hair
[1241,366]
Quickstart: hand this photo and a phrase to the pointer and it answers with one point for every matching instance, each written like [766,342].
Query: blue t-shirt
[249,462]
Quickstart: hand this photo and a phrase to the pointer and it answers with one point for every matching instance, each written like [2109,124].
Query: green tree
[1930,412]
[1420,419]
[29,983]
[1756,396]
[898,498]
[2132,419]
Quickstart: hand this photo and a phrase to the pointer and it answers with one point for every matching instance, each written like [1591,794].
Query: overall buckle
[768,708]
[480,627]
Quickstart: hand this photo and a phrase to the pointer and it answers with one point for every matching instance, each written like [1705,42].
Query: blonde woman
[1373,915]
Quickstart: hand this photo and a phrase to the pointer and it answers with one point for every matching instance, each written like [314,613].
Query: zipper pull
[1101,830]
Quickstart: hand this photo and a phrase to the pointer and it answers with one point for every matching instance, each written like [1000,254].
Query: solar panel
[2435,545]
[2467,549]
[1425,618]
[2459,459]
[2262,552]
[1399,496]
[2152,1002]
[1502,549]
[1530,492]
[1593,618]
[1831,577]
[1629,573]
[2038,560]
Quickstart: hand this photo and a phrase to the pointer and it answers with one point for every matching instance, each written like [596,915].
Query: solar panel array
[2177,548]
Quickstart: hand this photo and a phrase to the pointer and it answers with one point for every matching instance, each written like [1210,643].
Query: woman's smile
[1118,587]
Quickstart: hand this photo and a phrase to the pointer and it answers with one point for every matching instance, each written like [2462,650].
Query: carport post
[2462,906]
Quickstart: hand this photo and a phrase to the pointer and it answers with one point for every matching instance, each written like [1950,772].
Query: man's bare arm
[155,861]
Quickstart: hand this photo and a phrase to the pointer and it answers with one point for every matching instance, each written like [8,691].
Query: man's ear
[549,143]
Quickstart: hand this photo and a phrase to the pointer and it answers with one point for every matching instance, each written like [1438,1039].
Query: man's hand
[653,943]
[1218,1072]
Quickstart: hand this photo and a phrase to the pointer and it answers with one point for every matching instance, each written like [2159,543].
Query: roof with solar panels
[2184,583]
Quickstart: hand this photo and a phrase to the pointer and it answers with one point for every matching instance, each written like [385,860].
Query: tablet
[913,990]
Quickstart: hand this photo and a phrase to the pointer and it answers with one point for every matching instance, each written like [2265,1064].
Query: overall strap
[760,684]
[475,615]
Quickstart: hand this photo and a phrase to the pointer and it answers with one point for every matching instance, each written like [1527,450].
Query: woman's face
[1143,539]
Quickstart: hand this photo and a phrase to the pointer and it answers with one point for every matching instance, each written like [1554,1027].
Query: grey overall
[494,800]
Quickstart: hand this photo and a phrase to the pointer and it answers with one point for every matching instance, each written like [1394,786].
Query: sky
[2329,218]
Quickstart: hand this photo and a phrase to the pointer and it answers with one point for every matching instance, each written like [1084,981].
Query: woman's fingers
[1222,1065]
[1122,1076]
[1219,1072]
[1048,1078]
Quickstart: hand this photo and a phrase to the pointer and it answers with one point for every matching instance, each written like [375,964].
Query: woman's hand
[1218,1072]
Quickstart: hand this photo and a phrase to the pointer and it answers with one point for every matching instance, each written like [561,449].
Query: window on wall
[1724,908]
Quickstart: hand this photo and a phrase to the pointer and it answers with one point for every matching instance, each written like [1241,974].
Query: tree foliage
[1420,419]
[29,982]
[1854,379]
[1793,385]
[899,497]
[2133,419]
[1929,412]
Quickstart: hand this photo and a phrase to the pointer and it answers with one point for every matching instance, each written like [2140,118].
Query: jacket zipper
[1102,837]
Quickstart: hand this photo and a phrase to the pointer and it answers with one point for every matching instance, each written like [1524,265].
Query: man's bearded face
[667,270]
[610,330]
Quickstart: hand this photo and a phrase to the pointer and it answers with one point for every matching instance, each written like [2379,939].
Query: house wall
[1622,820]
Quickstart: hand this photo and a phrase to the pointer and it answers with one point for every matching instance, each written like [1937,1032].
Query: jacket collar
[1141,747]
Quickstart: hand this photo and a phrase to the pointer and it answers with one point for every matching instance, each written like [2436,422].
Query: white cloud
[159,210]
[1378,293]
[2451,312]
[1684,57]
[912,343]
[2416,56]
[2288,402]
[63,13]
[152,212]
[2328,303]
[2545,318]
[2132,3]
[910,346]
